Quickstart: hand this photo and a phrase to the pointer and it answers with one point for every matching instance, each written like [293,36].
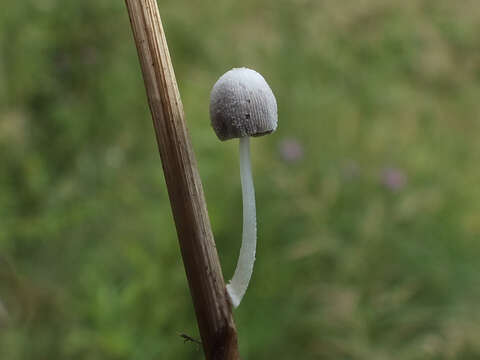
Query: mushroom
[243,105]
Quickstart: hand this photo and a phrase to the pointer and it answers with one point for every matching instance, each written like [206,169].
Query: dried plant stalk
[204,274]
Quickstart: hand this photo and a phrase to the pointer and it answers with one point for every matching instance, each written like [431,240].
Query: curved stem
[239,283]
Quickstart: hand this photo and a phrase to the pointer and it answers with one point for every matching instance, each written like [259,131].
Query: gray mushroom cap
[242,104]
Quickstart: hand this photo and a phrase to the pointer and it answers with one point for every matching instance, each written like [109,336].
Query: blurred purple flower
[393,179]
[290,150]
[350,170]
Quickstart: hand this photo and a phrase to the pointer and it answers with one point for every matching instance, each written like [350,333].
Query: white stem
[239,283]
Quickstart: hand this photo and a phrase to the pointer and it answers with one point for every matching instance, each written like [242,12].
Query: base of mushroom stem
[234,297]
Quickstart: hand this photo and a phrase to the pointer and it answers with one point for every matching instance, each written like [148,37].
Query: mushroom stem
[238,285]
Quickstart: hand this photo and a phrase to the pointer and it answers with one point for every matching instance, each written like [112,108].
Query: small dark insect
[187,338]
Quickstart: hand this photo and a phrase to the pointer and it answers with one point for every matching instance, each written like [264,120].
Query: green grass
[348,267]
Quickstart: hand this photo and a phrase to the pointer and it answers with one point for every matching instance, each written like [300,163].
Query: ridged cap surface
[242,104]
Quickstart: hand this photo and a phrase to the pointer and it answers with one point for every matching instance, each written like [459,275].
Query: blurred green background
[368,194]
